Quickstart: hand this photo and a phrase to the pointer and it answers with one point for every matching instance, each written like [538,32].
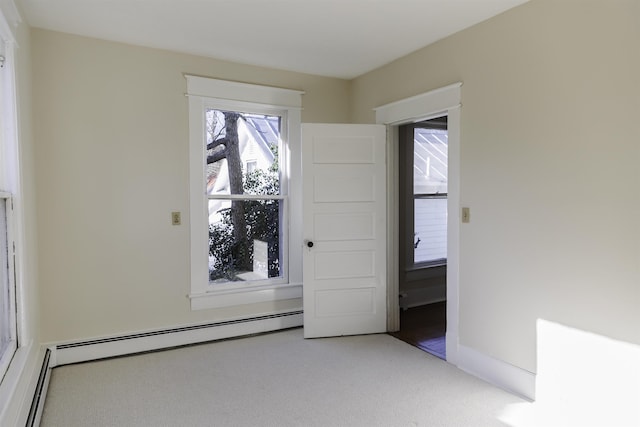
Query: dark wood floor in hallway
[425,327]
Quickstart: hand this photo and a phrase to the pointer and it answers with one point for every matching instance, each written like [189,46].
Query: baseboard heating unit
[37,403]
[162,339]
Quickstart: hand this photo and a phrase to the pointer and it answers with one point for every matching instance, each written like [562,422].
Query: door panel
[344,272]
[344,226]
[344,264]
[343,183]
[353,150]
[345,302]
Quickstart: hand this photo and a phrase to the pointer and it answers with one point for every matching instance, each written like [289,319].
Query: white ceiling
[337,38]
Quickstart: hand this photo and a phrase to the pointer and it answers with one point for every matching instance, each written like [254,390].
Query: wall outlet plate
[466,215]
[175,218]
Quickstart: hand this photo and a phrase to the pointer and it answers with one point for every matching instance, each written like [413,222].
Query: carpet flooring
[277,379]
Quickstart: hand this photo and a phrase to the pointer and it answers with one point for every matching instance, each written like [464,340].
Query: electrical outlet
[175,218]
[466,215]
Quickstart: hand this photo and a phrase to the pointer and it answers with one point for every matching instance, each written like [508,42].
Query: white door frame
[435,103]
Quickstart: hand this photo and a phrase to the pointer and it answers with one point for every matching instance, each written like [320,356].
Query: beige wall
[549,157]
[112,163]
[550,154]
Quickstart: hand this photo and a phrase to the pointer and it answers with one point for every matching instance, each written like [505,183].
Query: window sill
[252,295]
[427,265]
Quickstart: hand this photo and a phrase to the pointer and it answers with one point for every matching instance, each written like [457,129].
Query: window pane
[244,240]
[430,241]
[430,152]
[242,153]
[5,309]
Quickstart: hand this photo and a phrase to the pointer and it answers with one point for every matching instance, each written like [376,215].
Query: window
[246,207]
[8,342]
[9,199]
[245,193]
[427,152]
[251,165]
[430,194]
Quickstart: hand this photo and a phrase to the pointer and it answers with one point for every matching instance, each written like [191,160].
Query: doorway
[422,234]
[435,103]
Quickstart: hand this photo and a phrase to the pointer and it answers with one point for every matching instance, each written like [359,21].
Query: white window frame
[10,292]
[438,102]
[11,191]
[205,93]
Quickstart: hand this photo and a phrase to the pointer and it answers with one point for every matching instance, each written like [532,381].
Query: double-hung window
[10,195]
[430,152]
[425,150]
[8,341]
[245,195]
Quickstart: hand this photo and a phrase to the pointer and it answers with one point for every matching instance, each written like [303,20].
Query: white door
[344,214]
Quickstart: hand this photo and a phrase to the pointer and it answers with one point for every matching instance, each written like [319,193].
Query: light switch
[466,215]
[175,218]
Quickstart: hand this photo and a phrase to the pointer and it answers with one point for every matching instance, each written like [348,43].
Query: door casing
[435,103]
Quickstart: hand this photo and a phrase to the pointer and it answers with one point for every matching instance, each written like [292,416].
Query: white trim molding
[51,355]
[206,92]
[501,374]
[432,104]
[159,339]
[243,92]
[40,387]
[10,12]
[29,408]
[251,295]
[23,385]
[420,107]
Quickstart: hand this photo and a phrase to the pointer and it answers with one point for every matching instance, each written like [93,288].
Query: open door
[344,214]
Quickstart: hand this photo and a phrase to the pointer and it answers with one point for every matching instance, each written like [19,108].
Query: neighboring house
[256,134]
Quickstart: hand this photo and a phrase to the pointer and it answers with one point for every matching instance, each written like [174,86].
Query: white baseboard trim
[101,348]
[497,372]
[40,391]
[25,380]
[13,383]
[82,351]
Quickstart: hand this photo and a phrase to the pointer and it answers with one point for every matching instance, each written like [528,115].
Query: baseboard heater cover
[37,403]
[101,348]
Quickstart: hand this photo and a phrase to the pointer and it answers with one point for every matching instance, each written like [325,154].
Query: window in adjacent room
[425,192]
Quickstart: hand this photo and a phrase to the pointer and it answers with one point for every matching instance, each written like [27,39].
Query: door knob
[310,244]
